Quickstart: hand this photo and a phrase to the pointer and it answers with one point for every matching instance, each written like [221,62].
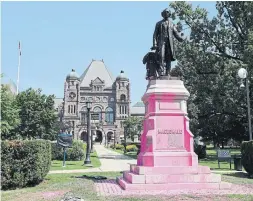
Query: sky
[58,36]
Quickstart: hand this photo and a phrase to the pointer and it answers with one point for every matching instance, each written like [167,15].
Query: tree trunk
[222,144]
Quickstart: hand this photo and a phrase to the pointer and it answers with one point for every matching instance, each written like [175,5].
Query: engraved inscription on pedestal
[169,139]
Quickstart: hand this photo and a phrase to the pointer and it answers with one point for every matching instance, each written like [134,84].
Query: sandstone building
[110,101]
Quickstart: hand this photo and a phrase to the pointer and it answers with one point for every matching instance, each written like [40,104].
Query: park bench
[224,155]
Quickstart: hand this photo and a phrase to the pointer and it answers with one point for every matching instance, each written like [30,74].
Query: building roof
[139,104]
[122,76]
[94,70]
[72,75]
[138,109]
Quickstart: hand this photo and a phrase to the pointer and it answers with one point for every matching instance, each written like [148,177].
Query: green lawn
[73,165]
[211,160]
[56,185]
[130,154]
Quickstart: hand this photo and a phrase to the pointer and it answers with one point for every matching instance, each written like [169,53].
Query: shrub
[247,157]
[199,147]
[75,153]
[117,146]
[130,148]
[24,163]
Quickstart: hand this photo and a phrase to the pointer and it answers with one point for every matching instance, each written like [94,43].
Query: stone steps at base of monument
[172,186]
[146,170]
[170,178]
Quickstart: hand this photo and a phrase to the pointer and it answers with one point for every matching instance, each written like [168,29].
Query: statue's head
[166,13]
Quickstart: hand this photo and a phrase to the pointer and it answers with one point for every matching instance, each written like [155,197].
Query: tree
[133,126]
[37,115]
[9,114]
[209,60]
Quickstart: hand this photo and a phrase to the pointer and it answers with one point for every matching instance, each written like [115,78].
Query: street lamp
[125,130]
[87,161]
[242,73]
[114,139]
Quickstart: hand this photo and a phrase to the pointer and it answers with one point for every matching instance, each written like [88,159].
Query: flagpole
[19,57]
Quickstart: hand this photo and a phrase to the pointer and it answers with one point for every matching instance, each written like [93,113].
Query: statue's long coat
[158,37]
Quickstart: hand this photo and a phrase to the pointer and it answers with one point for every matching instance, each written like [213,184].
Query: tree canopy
[209,60]
[9,113]
[133,126]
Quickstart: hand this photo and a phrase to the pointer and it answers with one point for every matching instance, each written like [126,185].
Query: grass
[56,185]
[73,165]
[130,154]
[211,160]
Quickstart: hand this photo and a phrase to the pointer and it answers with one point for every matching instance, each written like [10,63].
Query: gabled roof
[138,109]
[139,104]
[96,69]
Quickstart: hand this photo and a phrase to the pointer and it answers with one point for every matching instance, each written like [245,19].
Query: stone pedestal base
[167,160]
[170,178]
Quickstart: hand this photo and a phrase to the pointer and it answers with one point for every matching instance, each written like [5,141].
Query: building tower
[71,101]
[122,99]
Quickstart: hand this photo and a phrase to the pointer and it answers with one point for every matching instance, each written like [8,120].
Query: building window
[74,109]
[109,115]
[84,115]
[122,97]
[99,111]
[68,108]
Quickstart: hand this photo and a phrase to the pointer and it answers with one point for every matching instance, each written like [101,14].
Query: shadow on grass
[237,174]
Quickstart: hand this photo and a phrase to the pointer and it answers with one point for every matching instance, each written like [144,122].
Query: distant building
[12,86]
[110,100]
[138,109]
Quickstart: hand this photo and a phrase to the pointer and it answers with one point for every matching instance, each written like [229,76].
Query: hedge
[117,146]
[75,153]
[247,157]
[132,147]
[24,163]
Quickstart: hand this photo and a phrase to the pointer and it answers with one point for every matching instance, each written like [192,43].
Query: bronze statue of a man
[163,42]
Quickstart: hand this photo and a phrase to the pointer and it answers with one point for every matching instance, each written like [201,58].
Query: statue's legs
[162,52]
[167,58]
[168,67]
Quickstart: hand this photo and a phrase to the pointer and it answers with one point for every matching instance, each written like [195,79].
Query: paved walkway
[110,161]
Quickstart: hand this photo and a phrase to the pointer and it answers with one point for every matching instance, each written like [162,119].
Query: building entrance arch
[109,136]
[99,136]
[84,136]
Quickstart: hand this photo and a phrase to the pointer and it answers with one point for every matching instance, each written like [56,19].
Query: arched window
[109,115]
[122,97]
[99,111]
[84,115]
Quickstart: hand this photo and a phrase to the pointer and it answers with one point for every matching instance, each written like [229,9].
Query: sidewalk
[111,161]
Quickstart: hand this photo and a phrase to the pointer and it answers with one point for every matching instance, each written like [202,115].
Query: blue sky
[58,36]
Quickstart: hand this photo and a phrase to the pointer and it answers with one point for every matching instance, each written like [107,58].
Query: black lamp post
[114,142]
[87,161]
[125,130]
[91,148]
[243,74]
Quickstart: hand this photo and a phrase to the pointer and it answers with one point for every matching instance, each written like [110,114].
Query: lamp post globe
[242,73]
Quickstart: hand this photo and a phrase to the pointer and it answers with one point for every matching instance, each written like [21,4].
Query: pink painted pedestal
[167,160]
